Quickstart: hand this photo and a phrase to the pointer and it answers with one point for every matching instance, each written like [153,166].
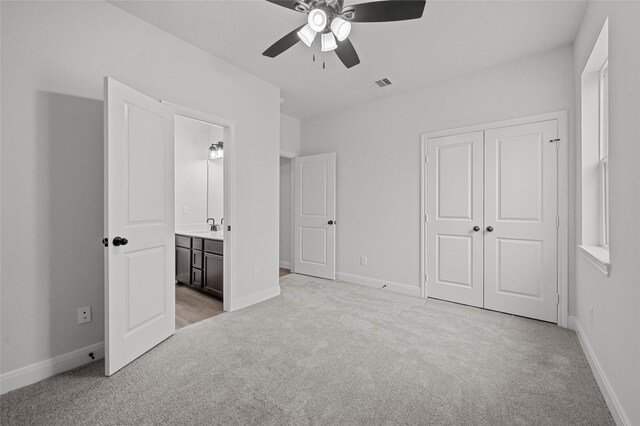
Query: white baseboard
[409,290]
[285,265]
[252,299]
[609,394]
[50,367]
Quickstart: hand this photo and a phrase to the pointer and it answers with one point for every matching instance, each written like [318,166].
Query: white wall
[285,212]
[289,134]
[614,337]
[378,154]
[54,58]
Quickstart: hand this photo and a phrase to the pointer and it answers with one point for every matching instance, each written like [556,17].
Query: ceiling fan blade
[386,11]
[347,53]
[283,44]
[289,4]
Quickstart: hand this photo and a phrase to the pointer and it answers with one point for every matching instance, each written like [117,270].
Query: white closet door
[454,208]
[520,236]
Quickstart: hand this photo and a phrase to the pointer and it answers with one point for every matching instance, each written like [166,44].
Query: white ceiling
[452,38]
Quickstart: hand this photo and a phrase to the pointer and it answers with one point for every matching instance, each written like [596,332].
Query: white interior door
[521,210]
[454,207]
[139,198]
[314,215]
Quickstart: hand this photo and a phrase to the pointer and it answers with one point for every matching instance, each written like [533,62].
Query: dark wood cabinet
[196,278]
[213,274]
[199,264]
[183,265]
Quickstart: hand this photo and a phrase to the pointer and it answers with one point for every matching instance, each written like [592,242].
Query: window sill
[598,256]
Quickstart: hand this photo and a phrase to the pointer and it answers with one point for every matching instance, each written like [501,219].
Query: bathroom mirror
[215,189]
[198,173]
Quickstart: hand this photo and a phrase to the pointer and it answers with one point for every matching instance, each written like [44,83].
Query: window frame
[603,157]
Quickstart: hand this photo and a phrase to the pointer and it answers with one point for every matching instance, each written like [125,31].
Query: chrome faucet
[214,227]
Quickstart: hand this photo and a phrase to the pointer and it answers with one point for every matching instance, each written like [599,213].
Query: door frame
[563,197]
[290,156]
[229,188]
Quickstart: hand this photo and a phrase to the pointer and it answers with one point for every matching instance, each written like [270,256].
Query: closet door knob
[117,241]
[489,228]
[476,228]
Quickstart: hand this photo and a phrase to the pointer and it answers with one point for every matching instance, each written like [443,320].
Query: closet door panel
[520,213]
[454,186]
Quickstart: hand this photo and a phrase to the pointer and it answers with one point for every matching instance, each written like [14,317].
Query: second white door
[314,215]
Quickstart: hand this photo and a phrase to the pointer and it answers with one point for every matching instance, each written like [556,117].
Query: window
[594,208]
[604,155]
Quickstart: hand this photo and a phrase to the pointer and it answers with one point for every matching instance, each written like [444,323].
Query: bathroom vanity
[199,261]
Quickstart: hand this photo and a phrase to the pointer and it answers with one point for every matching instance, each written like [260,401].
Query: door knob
[489,228]
[476,228]
[331,222]
[117,241]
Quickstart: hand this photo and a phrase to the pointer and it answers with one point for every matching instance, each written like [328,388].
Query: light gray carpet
[333,353]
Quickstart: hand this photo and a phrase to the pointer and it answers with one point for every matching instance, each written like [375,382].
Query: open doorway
[199,219]
[286,208]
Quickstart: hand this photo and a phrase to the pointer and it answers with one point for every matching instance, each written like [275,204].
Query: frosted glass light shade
[328,42]
[317,20]
[307,35]
[341,28]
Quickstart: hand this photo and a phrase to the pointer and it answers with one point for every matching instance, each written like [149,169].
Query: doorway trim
[229,191]
[563,197]
[290,156]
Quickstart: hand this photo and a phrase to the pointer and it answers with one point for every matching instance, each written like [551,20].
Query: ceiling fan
[332,20]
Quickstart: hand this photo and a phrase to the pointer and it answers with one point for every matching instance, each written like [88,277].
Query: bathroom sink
[214,235]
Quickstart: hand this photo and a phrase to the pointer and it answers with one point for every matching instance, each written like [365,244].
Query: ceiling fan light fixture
[328,42]
[317,20]
[307,35]
[341,28]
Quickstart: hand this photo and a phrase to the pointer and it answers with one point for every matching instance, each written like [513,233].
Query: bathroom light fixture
[307,35]
[340,28]
[328,42]
[216,151]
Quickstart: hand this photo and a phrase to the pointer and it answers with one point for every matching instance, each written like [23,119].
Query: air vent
[379,84]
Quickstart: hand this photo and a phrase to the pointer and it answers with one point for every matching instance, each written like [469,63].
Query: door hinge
[557,222]
[229,228]
[426,277]
[426,218]
[557,142]
[426,159]
[557,299]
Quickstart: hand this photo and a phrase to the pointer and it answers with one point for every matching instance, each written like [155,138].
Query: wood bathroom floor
[192,307]
[284,272]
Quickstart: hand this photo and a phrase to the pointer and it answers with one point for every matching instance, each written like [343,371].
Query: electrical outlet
[363,260]
[84,315]
[256,273]
[591,315]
